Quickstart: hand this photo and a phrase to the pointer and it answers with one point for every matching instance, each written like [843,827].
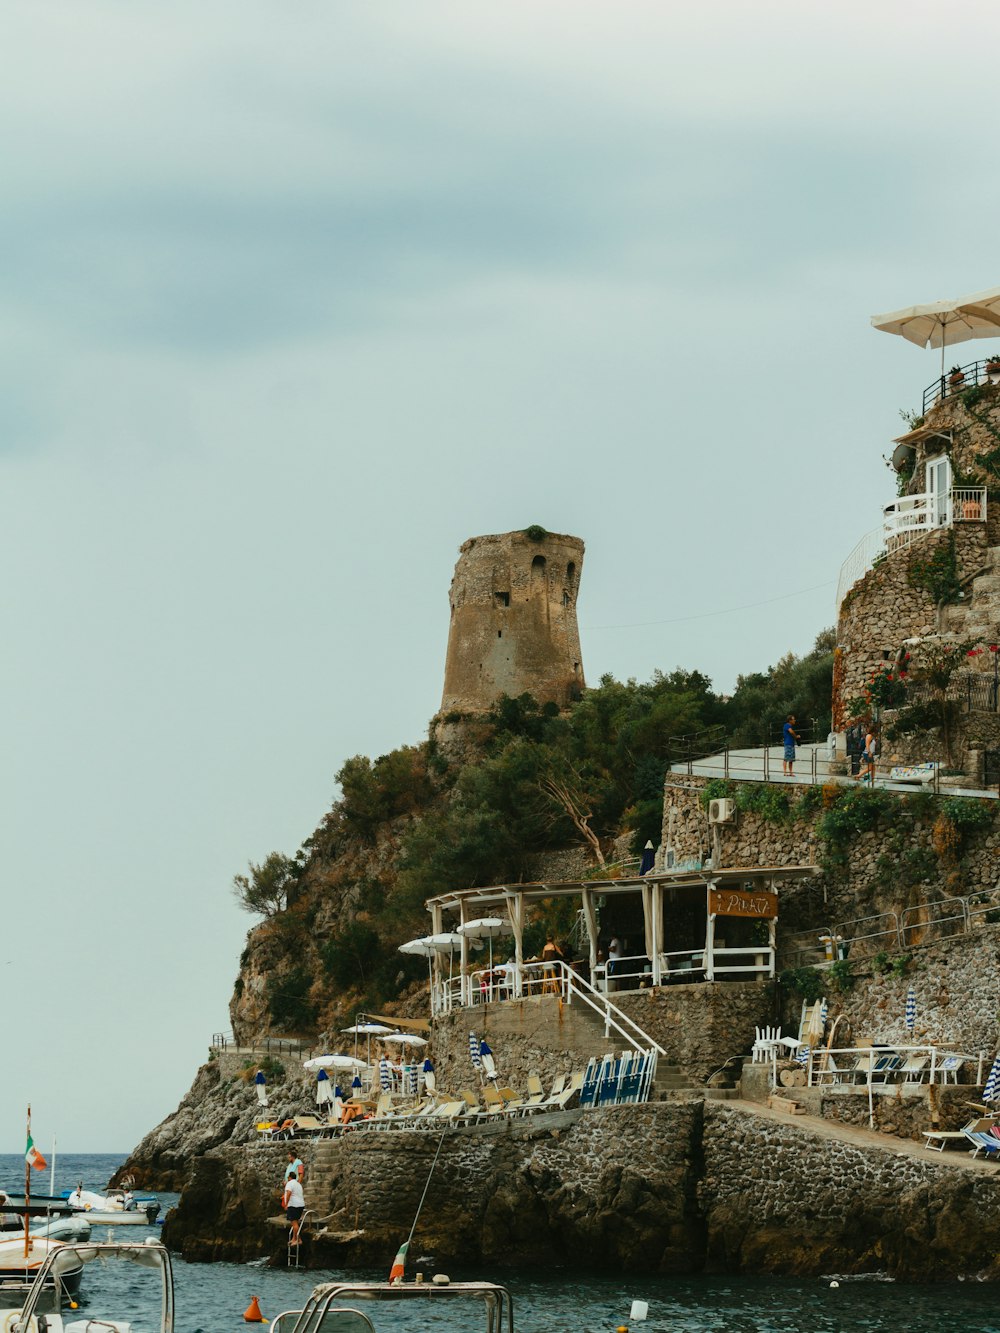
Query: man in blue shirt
[789,736]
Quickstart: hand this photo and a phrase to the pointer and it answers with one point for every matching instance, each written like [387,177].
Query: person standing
[789,737]
[294,1203]
[869,756]
[551,955]
[295,1167]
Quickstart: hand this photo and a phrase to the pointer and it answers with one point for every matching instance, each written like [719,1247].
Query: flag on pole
[399,1263]
[33,1157]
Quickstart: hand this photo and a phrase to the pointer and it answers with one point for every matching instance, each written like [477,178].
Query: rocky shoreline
[668,1187]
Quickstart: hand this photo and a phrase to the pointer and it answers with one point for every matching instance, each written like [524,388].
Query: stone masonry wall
[883,609]
[780,1198]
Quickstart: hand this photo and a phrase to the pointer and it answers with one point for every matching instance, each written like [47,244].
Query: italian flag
[399,1263]
[33,1157]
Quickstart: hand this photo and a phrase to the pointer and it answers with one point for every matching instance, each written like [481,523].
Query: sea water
[211,1298]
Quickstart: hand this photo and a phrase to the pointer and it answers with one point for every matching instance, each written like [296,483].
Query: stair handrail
[573,983]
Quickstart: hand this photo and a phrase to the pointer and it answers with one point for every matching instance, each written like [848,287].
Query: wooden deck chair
[913,1069]
[591,1077]
[982,1140]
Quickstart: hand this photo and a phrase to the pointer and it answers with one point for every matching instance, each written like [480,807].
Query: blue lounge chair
[588,1093]
[978,1134]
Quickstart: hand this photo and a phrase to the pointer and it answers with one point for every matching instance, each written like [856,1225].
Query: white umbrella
[405,1039]
[333,1062]
[370,1030]
[324,1092]
[486,928]
[260,1084]
[942,323]
[423,948]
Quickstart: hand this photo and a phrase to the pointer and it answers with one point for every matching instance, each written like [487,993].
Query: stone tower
[513,621]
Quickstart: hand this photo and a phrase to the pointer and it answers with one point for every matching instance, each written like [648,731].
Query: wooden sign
[740,902]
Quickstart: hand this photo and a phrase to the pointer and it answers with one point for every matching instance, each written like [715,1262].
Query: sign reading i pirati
[741,902]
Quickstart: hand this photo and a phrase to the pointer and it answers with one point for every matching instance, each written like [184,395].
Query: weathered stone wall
[669,1187]
[906,1113]
[698,1026]
[780,1198]
[513,621]
[613,1190]
[883,609]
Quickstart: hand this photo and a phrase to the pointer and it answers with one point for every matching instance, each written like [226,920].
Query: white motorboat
[333,1305]
[117,1208]
[28,1308]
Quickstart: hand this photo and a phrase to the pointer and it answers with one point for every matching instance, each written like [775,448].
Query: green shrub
[806,981]
[287,996]
[536,533]
[842,975]
[763,799]
[901,965]
[715,789]
[881,963]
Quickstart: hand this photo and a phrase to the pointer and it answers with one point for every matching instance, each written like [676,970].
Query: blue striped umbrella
[911,1009]
[474,1055]
[410,1080]
[822,1011]
[384,1074]
[991,1092]
[486,1061]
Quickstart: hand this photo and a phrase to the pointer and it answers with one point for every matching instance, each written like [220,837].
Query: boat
[333,1305]
[20,1262]
[117,1208]
[39,1304]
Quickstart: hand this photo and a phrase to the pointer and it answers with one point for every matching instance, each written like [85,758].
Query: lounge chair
[886,1065]
[938,1139]
[511,1101]
[588,1089]
[948,1067]
[536,1093]
[470,1099]
[308,1126]
[610,1082]
[913,1069]
[982,1140]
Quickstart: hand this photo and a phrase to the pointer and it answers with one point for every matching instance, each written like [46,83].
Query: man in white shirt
[294,1203]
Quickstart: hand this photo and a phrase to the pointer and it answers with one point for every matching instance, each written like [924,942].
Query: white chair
[765,1045]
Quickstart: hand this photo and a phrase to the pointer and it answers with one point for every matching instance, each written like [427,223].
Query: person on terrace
[789,738]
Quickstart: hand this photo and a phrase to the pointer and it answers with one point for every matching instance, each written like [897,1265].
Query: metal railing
[924,923]
[888,1066]
[870,548]
[913,515]
[975,691]
[942,389]
[225,1041]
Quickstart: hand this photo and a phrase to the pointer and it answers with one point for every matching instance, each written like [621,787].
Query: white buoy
[834,1284]
[640,1310]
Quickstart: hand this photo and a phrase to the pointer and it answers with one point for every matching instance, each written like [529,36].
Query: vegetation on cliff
[522,780]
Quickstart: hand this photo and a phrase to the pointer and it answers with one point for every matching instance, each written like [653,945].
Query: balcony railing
[942,388]
[904,521]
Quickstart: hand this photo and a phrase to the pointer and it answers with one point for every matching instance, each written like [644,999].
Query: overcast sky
[296,298]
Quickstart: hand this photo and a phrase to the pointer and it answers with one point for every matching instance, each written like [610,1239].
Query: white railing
[904,521]
[859,562]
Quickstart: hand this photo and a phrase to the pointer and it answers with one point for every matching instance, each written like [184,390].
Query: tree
[265,889]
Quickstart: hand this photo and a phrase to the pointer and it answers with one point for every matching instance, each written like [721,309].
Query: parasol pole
[52,1174]
[27,1187]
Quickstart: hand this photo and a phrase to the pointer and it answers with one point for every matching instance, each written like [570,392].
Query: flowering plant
[886,689]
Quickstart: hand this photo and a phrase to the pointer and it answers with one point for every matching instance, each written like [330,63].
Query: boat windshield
[68,1257]
[330,1309]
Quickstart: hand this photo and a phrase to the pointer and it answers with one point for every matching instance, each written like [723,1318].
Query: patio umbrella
[814,1028]
[991,1092]
[384,1075]
[324,1093]
[488,1063]
[405,1039]
[911,1009]
[410,1080]
[648,858]
[260,1086]
[356,1086]
[474,1055]
[422,948]
[942,323]
[429,1079]
[333,1062]
[369,1030]
[338,1103]
[486,928]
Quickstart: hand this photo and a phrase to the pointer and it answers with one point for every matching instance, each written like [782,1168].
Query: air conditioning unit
[722,812]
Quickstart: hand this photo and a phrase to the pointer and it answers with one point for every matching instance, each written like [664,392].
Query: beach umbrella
[648,858]
[429,1079]
[410,1080]
[991,1092]
[911,1009]
[338,1103]
[474,1055]
[421,948]
[356,1086]
[814,1028]
[260,1086]
[942,323]
[486,928]
[367,1030]
[324,1093]
[384,1074]
[405,1039]
[487,1061]
[333,1062]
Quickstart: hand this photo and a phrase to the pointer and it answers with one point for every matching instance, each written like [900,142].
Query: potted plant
[993,369]
[971,510]
[956,376]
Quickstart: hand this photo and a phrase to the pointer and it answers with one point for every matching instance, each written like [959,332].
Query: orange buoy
[252,1314]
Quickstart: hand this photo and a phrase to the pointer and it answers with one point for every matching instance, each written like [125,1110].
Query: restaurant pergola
[673,927]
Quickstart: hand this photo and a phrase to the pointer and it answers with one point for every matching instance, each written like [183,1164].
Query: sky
[295,299]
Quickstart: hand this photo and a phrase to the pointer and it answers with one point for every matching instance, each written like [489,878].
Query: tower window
[499,633]
[502,598]
[538,564]
[571,571]
[565,598]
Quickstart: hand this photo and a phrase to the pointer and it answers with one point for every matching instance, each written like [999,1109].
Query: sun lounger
[913,1069]
[610,1081]
[308,1126]
[948,1067]
[982,1140]
[588,1090]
